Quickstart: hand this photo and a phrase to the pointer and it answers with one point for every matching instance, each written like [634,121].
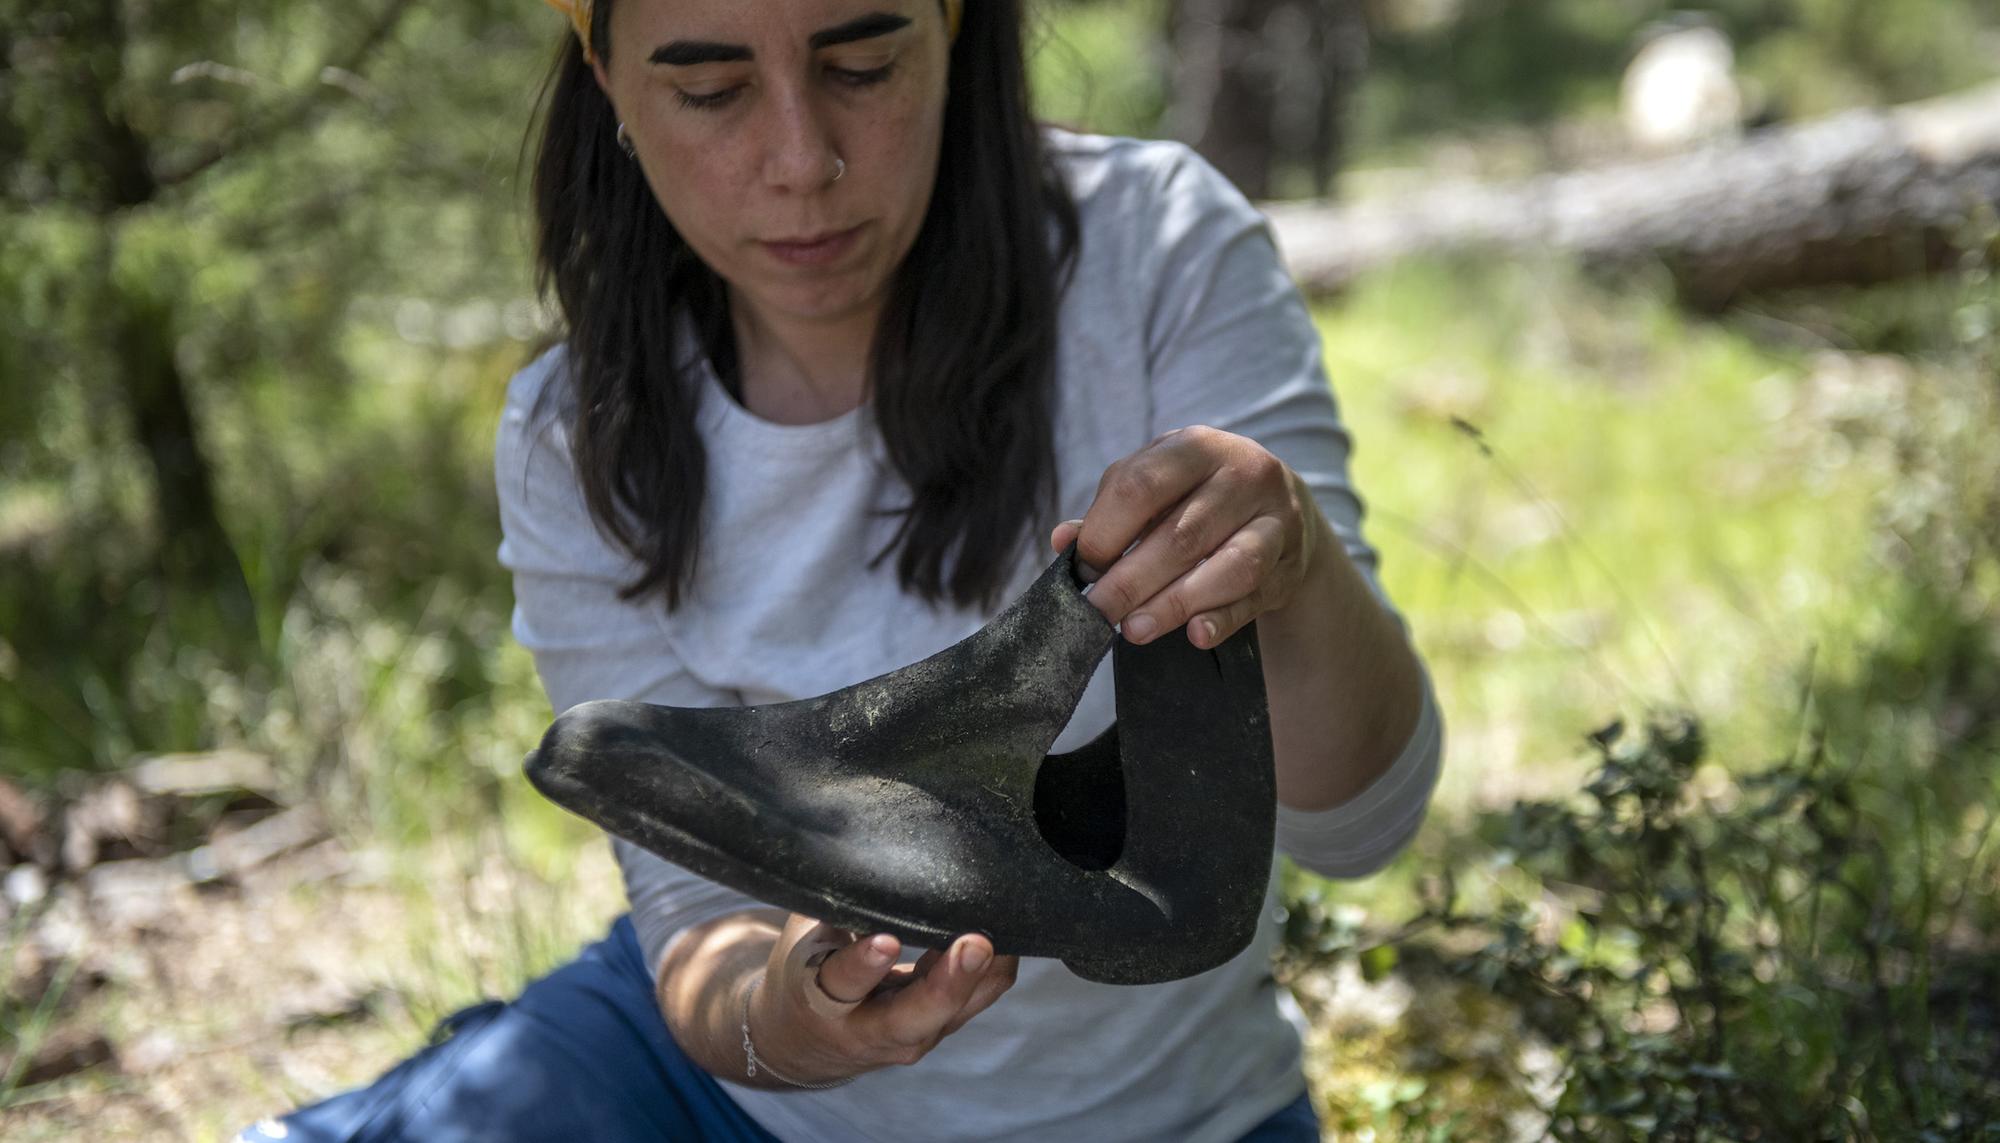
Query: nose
[800,154]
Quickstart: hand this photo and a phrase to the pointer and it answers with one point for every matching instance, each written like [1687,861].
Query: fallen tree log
[1858,197]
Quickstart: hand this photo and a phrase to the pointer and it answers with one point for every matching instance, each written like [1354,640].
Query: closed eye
[707,100]
[846,76]
[862,77]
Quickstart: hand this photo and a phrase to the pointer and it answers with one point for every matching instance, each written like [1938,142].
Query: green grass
[1587,503]
[1592,506]
[1094,66]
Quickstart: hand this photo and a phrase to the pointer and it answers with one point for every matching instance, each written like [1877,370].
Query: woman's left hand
[1219,532]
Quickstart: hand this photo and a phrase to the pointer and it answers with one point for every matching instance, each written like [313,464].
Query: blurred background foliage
[1456,65]
[263,276]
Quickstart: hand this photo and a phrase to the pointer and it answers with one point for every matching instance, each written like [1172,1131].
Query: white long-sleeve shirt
[1179,313]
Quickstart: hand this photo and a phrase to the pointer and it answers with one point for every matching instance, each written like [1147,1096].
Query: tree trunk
[197,560]
[199,564]
[1223,87]
[1860,197]
[1333,67]
[1260,84]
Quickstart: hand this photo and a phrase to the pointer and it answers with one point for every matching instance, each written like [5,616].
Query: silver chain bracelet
[752,1063]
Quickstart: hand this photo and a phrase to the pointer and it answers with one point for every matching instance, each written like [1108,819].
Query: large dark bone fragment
[924,803]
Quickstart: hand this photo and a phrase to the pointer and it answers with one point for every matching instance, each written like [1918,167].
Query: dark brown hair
[963,373]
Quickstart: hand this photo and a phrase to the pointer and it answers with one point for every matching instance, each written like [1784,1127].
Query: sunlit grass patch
[1097,67]
[1588,503]
[1766,522]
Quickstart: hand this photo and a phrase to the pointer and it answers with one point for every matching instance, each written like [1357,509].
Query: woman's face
[739,110]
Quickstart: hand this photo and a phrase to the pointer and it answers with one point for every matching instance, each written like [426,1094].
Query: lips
[813,250]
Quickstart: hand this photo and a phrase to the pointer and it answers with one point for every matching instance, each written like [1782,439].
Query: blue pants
[584,1054]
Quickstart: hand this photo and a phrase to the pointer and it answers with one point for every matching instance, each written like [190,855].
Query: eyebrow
[687,53]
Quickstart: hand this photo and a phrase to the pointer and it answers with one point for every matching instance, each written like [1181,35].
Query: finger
[1064,534]
[1136,490]
[916,1017]
[1184,536]
[998,979]
[903,975]
[1211,629]
[836,979]
[1062,537]
[1230,588]
[805,937]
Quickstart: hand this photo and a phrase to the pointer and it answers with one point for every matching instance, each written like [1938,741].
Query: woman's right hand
[833,1005]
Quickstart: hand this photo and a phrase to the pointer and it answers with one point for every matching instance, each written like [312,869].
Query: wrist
[755,1063]
[1344,684]
[701,982]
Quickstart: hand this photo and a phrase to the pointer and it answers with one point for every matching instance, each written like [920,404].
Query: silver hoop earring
[839,167]
[625,142]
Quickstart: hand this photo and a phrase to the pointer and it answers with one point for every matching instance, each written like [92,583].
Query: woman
[845,333]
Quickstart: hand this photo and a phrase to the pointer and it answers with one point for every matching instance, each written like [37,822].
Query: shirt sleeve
[1230,344]
[586,642]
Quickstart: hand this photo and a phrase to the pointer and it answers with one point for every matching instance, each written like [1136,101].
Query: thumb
[1065,534]
[836,972]
[1062,537]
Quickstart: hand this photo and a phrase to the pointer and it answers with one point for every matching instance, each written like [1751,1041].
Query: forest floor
[203,1009]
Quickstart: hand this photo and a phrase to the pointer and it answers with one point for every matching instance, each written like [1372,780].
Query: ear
[603,77]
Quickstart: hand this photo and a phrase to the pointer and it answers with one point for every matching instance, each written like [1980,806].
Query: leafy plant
[1776,957]
[1693,945]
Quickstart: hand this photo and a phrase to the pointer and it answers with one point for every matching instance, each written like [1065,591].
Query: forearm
[1345,687]
[701,990]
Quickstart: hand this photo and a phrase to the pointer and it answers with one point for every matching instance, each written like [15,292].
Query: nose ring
[839,167]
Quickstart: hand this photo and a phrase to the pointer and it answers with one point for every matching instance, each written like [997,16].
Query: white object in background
[26,885]
[1680,89]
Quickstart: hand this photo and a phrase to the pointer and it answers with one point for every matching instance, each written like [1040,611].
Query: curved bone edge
[572,772]
[1194,772]
[1202,932]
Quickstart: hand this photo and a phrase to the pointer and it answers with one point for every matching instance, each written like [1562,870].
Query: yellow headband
[578,12]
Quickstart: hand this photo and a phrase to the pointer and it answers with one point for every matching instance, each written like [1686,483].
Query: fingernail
[1140,627]
[972,958]
[1206,629]
[878,951]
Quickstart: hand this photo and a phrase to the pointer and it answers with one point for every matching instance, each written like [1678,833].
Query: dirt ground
[199,1010]
[157,1007]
